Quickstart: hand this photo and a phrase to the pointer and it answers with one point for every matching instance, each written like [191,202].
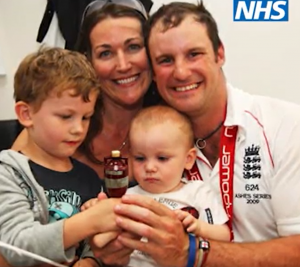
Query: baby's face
[159,155]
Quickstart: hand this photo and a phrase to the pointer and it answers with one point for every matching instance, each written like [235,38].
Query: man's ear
[190,158]
[24,113]
[220,57]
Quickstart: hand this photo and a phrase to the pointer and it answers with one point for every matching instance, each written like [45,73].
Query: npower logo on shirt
[263,10]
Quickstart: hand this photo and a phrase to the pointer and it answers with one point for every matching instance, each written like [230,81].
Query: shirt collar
[237,102]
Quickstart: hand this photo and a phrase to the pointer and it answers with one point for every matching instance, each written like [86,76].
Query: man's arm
[274,253]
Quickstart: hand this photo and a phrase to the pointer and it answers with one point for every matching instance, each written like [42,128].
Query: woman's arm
[21,141]
[3,262]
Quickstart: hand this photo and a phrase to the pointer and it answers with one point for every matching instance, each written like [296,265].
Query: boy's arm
[55,241]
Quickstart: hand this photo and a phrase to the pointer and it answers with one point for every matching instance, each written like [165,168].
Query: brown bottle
[116,174]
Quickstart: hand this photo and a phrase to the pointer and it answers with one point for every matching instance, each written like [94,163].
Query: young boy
[161,148]
[42,187]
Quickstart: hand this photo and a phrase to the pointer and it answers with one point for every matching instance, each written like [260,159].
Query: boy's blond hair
[155,115]
[53,70]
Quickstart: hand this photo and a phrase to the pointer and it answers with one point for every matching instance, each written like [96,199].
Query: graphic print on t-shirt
[175,205]
[191,210]
[62,204]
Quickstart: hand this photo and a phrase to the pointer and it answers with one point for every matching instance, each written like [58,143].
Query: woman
[111,36]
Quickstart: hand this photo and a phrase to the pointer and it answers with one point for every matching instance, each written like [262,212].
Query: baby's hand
[190,223]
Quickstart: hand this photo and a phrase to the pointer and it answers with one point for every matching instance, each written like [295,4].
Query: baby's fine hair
[155,115]
[53,70]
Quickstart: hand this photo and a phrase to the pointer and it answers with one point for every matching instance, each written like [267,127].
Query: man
[248,149]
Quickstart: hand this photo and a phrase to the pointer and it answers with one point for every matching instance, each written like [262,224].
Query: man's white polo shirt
[266,188]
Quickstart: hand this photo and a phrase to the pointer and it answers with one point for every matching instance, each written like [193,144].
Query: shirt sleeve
[19,226]
[208,201]
[285,183]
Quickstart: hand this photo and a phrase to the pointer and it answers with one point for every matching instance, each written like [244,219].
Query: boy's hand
[92,202]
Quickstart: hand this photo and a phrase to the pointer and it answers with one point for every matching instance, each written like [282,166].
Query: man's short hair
[171,15]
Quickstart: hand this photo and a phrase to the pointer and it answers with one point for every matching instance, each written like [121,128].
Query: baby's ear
[190,158]
[24,112]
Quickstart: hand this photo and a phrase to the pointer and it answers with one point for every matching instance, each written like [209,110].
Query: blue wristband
[192,251]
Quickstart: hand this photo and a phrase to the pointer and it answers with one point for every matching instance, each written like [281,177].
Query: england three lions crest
[252,166]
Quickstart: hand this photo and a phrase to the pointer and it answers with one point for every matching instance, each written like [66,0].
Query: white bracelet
[203,248]
[200,257]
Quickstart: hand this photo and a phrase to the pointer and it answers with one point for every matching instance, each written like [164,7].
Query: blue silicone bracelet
[192,251]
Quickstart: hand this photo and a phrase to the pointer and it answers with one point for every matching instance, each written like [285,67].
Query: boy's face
[61,123]
[160,154]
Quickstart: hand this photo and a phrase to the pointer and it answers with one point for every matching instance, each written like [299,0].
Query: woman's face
[120,60]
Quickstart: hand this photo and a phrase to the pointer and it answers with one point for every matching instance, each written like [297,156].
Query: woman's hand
[143,216]
[86,262]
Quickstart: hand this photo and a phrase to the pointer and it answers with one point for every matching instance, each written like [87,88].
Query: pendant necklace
[124,143]
[201,142]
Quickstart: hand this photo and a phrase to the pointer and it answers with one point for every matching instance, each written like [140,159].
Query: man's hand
[143,216]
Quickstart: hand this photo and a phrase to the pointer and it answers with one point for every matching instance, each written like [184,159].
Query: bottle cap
[115,153]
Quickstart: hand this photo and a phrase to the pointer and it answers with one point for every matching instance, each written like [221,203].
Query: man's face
[186,69]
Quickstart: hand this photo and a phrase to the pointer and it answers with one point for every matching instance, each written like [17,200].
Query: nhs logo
[263,10]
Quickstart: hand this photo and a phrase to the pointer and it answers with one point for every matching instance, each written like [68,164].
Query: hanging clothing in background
[53,37]
[62,19]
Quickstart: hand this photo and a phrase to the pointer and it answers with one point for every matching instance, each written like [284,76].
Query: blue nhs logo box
[263,10]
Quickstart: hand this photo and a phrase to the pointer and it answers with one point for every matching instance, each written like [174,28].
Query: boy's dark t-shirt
[73,187]
[67,191]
